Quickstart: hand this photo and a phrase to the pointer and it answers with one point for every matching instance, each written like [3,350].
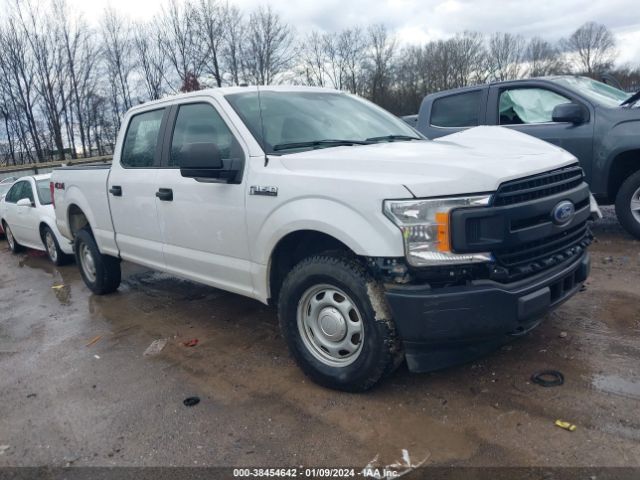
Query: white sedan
[28,219]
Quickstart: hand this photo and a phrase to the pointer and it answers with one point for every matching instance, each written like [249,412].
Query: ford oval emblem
[563,212]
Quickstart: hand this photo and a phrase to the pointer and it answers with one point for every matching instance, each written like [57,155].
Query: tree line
[66,84]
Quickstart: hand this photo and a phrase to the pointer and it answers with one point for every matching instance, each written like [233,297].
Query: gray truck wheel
[101,273]
[628,205]
[333,332]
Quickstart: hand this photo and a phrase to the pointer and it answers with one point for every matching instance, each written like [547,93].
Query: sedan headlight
[426,230]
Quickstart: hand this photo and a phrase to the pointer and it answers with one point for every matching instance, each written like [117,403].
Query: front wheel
[628,205]
[331,327]
[101,273]
[11,240]
[55,254]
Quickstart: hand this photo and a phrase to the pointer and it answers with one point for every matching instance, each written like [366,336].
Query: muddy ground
[65,401]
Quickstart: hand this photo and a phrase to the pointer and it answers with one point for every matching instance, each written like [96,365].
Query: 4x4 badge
[263,190]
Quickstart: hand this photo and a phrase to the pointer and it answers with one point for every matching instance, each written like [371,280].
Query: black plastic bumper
[445,326]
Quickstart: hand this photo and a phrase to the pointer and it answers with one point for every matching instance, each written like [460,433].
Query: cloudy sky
[416,21]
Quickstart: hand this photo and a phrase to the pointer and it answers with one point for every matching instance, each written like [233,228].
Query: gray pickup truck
[597,123]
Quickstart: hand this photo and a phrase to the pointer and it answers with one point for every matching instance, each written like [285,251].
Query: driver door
[202,221]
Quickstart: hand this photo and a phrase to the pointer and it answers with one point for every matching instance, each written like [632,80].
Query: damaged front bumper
[445,326]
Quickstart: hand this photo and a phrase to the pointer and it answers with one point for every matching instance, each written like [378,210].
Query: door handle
[116,191]
[165,194]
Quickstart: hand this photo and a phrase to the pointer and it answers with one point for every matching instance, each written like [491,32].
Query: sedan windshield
[598,92]
[44,193]
[285,122]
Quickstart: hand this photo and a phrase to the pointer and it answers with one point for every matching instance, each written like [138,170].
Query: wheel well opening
[41,229]
[77,219]
[623,166]
[293,248]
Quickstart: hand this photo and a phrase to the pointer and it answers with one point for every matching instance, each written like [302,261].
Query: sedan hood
[472,161]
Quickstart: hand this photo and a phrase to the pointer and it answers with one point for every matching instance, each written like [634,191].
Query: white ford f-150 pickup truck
[376,244]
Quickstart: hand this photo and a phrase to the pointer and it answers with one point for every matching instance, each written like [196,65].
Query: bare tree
[382,50]
[151,60]
[117,49]
[543,58]
[314,59]
[269,47]
[594,47]
[234,38]
[180,41]
[211,26]
[505,56]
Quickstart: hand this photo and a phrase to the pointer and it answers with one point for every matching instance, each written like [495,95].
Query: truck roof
[222,91]
[505,82]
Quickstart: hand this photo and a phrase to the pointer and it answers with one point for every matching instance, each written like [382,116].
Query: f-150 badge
[263,190]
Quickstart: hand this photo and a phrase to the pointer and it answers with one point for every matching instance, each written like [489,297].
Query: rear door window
[139,149]
[455,111]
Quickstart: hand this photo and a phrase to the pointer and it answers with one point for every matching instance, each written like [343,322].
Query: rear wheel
[332,330]
[52,247]
[101,273]
[11,240]
[628,205]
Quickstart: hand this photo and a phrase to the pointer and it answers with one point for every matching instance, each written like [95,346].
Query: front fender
[623,137]
[367,233]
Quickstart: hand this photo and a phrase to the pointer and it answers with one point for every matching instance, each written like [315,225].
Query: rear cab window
[141,140]
[456,111]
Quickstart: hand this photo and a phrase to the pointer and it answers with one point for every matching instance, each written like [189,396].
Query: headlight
[426,231]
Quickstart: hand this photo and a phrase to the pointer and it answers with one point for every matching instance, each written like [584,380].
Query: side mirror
[570,113]
[24,202]
[201,160]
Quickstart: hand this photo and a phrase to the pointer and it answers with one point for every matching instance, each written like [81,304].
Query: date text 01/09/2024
[301,472]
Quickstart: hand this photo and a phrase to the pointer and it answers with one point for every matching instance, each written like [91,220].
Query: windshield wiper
[391,138]
[632,99]
[318,143]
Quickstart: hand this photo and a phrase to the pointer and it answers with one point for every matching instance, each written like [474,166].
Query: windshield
[44,193]
[599,92]
[295,121]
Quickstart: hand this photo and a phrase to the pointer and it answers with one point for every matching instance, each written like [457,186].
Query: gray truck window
[460,110]
[140,141]
[201,123]
[528,105]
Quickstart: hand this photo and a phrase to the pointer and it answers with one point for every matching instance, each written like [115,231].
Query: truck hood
[471,161]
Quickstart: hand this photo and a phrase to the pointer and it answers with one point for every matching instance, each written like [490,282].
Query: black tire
[380,351]
[14,246]
[628,191]
[107,268]
[57,257]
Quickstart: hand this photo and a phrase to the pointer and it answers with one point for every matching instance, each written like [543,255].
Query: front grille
[544,249]
[523,259]
[538,186]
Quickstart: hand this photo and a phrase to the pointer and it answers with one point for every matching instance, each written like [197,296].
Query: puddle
[616,385]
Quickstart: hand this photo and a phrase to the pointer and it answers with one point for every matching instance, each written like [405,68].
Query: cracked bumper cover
[445,326]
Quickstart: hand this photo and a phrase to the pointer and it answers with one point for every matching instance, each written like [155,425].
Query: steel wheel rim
[330,325]
[87,262]
[635,205]
[50,245]
[10,238]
